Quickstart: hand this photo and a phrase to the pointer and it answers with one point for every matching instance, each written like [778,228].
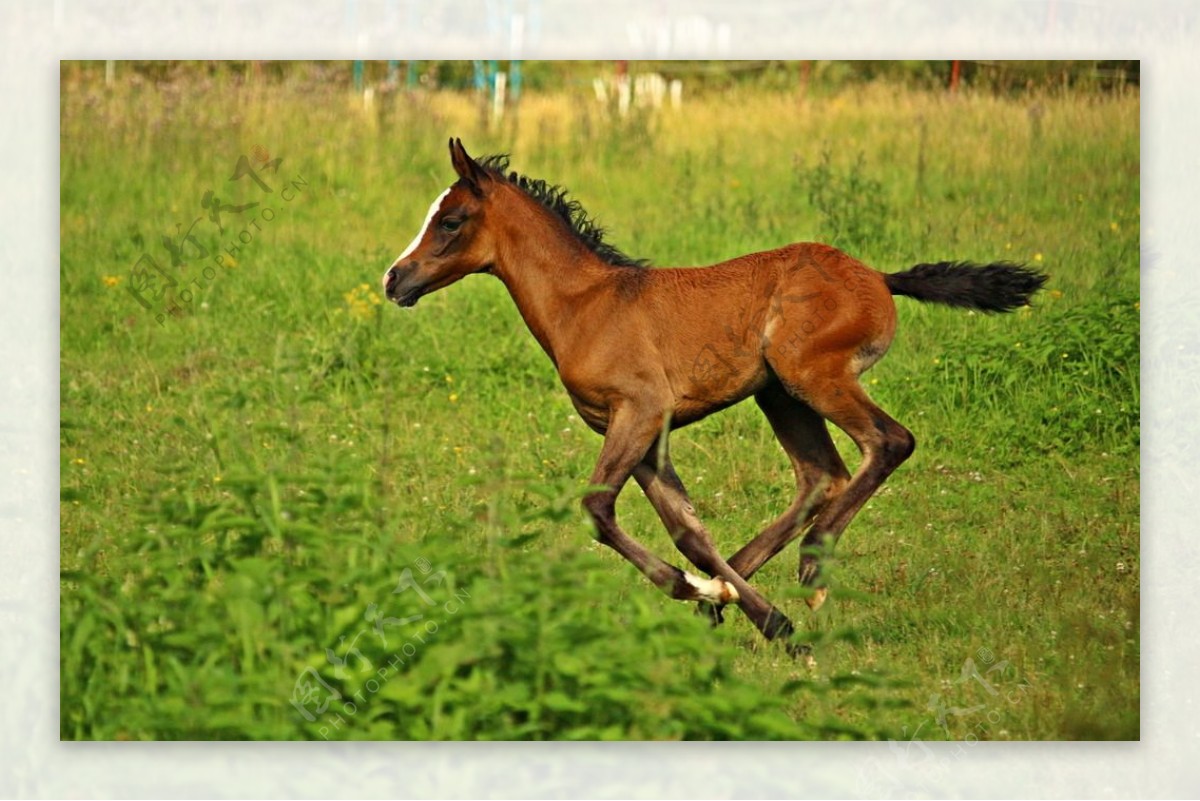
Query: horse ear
[467,168]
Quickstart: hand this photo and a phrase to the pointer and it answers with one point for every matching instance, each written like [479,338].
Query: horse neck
[548,273]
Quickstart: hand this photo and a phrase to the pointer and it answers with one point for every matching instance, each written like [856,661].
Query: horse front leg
[667,494]
[626,443]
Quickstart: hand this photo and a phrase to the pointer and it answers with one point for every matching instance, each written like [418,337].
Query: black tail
[989,288]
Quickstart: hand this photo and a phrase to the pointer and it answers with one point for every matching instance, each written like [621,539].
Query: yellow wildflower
[111,280]
[361,301]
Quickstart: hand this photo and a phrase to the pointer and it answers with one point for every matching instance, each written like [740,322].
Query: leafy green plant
[264,591]
[1068,375]
[854,211]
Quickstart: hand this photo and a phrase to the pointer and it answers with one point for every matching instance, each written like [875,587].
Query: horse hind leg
[884,443]
[817,350]
[820,473]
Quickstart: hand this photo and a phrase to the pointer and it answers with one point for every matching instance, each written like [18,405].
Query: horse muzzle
[401,287]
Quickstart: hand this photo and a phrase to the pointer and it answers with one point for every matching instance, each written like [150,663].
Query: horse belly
[718,378]
[592,411]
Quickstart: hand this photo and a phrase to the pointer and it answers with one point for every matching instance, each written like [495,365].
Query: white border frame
[38,34]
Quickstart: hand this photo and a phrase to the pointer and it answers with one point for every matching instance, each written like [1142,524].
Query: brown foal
[644,351]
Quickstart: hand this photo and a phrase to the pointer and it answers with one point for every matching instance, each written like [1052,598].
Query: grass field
[292,512]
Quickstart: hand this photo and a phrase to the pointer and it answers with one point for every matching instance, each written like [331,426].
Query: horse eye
[450,225]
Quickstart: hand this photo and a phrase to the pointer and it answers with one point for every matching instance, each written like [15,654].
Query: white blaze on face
[433,209]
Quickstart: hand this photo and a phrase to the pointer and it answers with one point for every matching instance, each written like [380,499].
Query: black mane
[554,198]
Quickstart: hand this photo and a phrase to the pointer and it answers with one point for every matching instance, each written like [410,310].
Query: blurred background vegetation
[1002,77]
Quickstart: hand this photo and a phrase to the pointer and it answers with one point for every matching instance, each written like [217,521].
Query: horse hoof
[815,600]
[802,653]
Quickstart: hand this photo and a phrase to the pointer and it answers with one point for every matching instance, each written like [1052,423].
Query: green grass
[244,485]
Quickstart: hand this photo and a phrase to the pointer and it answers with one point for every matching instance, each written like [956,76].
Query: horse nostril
[391,278]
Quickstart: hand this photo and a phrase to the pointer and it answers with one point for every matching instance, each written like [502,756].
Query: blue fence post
[515,80]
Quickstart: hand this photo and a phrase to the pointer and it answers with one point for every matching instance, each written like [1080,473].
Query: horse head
[454,241]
